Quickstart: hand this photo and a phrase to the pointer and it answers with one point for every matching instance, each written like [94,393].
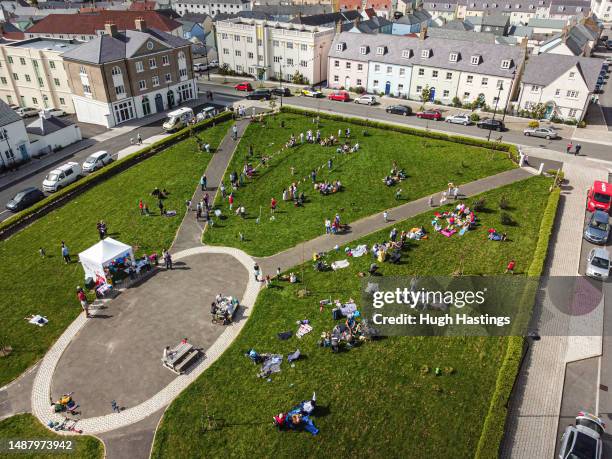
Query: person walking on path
[577,149]
[568,148]
[222,189]
[455,193]
[234,132]
[65,253]
[386,216]
[327,226]
[256,272]
[230,199]
[83,300]
[203,181]
[431,201]
[139,138]
[167,259]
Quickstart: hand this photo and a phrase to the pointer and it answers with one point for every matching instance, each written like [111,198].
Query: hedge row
[29,215]
[495,421]
[512,151]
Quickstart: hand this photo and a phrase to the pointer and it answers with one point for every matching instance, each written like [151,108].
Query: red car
[342,96]
[244,86]
[430,115]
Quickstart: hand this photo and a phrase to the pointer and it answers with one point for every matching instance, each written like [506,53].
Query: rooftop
[49,44]
[327,18]
[7,114]
[274,25]
[543,69]
[547,23]
[45,126]
[495,20]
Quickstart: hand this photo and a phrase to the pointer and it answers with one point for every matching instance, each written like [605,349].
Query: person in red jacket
[272,205]
[510,267]
[83,300]
[230,199]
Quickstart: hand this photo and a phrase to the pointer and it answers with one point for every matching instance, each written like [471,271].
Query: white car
[61,177]
[583,440]
[461,118]
[199,67]
[598,264]
[26,112]
[207,112]
[213,64]
[54,111]
[366,100]
[96,161]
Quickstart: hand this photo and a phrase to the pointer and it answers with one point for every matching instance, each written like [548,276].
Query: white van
[207,112]
[178,119]
[61,177]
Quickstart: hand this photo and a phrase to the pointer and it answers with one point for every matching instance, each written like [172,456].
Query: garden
[436,392]
[427,165]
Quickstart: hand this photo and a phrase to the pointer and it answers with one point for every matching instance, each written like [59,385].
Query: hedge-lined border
[31,214]
[512,150]
[495,421]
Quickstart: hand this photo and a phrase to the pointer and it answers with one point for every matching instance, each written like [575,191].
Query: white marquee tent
[95,258]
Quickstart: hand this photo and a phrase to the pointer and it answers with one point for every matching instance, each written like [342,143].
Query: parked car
[430,115]
[26,112]
[598,89]
[54,111]
[61,177]
[199,67]
[544,132]
[597,230]
[404,110]
[285,92]
[366,99]
[461,118]
[311,92]
[260,94]
[599,196]
[24,199]
[598,264]
[244,86]
[342,96]
[97,160]
[583,440]
[601,80]
[490,124]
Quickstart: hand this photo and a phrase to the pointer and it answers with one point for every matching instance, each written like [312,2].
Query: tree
[538,110]
[298,78]
[426,94]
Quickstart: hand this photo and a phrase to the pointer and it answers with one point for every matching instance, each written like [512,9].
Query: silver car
[598,228]
[461,118]
[366,99]
[583,440]
[544,132]
[598,264]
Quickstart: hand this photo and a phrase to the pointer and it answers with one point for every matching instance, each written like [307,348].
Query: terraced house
[119,76]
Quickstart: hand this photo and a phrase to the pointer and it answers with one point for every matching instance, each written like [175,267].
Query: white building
[603,10]
[211,7]
[14,141]
[266,49]
[564,84]
[48,133]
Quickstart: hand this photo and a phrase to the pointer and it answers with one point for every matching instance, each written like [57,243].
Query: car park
[461,118]
[543,132]
[598,264]
[62,176]
[597,229]
[24,199]
[429,115]
[599,196]
[281,91]
[583,440]
[404,110]
[311,92]
[260,94]
[26,112]
[490,124]
[244,86]
[341,96]
[366,100]
[97,160]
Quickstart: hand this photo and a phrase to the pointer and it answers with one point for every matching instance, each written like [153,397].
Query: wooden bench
[183,355]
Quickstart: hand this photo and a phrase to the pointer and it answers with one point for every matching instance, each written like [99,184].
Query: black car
[399,110]
[24,199]
[285,92]
[259,94]
[490,124]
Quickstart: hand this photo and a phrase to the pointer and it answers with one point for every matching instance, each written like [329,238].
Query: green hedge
[505,147]
[495,421]
[28,215]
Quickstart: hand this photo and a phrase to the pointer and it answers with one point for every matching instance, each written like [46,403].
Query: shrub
[475,117]
[456,102]
[506,219]
[582,124]
[503,203]
[571,122]
[479,204]
[534,124]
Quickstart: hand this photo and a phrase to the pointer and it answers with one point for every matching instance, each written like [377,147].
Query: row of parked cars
[27,112]
[597,230]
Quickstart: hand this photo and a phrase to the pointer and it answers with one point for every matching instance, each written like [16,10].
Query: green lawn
[32,285]
[27,427]
[430,165]
[378,400]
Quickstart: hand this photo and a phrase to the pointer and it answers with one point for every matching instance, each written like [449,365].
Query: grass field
[429,164]
[381,399]
[26,426]
[33,285]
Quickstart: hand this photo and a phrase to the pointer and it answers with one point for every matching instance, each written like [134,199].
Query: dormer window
[505,63]
[341,46]
[561,8]
[531,7]
[363,50]
[578,9]
[485,5]
[406,53]
[380,50]
[425,53]
[472,5]
[494,5]
[453,57]
[508,6]
[475,60]
[518,6]
[448,6]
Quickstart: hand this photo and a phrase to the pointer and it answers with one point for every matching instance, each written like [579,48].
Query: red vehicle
[342,96]
[599,197]
[430,115]
[244,86]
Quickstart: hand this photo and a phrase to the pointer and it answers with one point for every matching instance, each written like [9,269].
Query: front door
[387,88]
[432,94]
[159,103]
[24,152]
[549,111]
[170,99]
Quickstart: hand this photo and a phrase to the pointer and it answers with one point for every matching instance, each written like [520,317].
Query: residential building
[579,40]
[542,26]
[9,31]
[442,11]
[382,8]
[497,24]
[274,49]
[404,66]
[48,133]
[32,73]
[564,84]
[14,141]
[119,76]
[211,7]
[198,29]
[565,9]
[602,10]
[346,17]
[376,24]
[519,11]
[284,12]
[465,35]
[88,26]
[411,22]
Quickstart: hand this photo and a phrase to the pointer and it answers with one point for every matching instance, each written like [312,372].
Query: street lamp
[501,88]
[508,96]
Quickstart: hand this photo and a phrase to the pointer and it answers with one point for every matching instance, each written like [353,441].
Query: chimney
[423,33]
[141,25]
[110,29]
[357,21]
[338,26]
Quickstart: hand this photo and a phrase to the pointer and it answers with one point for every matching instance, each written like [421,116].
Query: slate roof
[521,31]
[45,126]
[494,20]
[106,48]
[543,69]
[443,5]
[546,23]
[464,35]
[505,6]
[458,24]
[208,2]
[416,17]
[292,10]
[369,26]
[7,114]
[327,18]
[490,53]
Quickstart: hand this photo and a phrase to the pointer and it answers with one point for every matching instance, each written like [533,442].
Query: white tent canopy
[95,258]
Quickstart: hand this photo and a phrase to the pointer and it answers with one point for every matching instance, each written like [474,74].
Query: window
[238,53]
[419,89]
[445,93]
[400,87]
[449,75]
[340,46]
[182,73]
[304,47]
[303,63]
[168,77]
[377,68]
[557,92]
[290,62]
[249,39]
[224,36]
[3,80]
[139,67]
[466,95]
[34,63]
[572,75]
[505,64]
[86,89]
[363,50]
[360,67]
[485,81]
[15,77]
[535,88]
[572,94]
[336,63]
[165,60]
[155,80]
[250,55]
[23,102]
[239,68]
[289,45]
[572,113]
[453,57]
[22,61]
[62,101]
[142,85]
[434,74]
[275,43]
[277,59]
[424,53]
[358,81]
[236,37]
[389,70]
[421,72]
[470,79]
[226,51]
[336,79]
[40,82]
[380,50]
[9,59]
[402,71]
[27,78]
[475,60]
[500,84]
[375,83]
[348,65]
[252,70]
[116,71]
[152,63]
[406,53]
[34,100]
[119,90]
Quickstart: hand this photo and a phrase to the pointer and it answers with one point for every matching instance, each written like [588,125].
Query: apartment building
[211,7]
[603,10]
[32,73]
[119,76]
[266,49]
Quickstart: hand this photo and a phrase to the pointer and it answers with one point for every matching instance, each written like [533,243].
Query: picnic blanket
[348,309]
[336,265]
[303,330]
[294,356]
[360,250]
[448,233]
[271,365]
[38,320]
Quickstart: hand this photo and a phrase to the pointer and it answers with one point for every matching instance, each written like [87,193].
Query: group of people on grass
[396,175]
[460,220]
[333,226]
[326,187]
